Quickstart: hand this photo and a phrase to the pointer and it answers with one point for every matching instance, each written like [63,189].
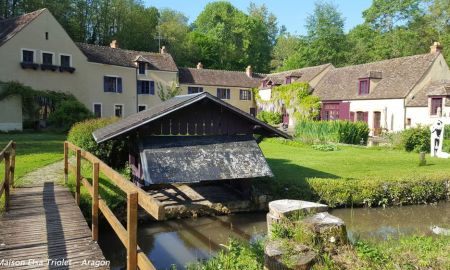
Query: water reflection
[180,242]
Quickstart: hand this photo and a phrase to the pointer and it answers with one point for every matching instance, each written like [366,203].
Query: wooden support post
[95,170]
[78,177]
[13,163]
[66,162]
[7,175]
[132,205]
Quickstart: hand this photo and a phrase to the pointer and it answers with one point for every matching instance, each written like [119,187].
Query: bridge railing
[8,155]
[135,197]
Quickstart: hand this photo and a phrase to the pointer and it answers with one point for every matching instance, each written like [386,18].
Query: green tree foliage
[167,92]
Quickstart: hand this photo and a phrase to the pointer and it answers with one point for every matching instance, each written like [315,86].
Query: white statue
[437,139]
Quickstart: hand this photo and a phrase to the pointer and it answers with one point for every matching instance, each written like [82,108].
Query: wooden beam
[13,163]
[7,175]
[66,162]
[78,177]
[95,172]
[132,205]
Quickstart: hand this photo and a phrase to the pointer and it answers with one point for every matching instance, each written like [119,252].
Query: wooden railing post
[7,175]
[95,172]
[13,163]
[66,162]
[132,206]
[78,177]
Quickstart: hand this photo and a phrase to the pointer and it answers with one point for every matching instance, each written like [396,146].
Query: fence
[135,197]
[8,154]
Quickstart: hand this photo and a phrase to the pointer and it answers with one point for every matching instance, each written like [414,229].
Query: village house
[389,95]
[36,51]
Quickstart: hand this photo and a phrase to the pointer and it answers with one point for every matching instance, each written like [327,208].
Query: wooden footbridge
[43,227]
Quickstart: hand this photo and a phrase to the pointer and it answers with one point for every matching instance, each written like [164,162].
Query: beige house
[35,50]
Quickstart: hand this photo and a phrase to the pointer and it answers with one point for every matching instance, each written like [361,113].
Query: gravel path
[50,173]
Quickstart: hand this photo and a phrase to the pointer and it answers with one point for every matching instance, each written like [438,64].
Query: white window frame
[143,105]
[123,110]
[53,57]
[65,54]
[101,108]
[26,49]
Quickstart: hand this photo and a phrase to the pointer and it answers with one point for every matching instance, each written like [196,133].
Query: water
[183,241]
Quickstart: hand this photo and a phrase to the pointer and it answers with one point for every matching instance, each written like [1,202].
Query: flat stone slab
[287,208]
[324,219]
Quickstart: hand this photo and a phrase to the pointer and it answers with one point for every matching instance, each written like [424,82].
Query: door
[376,123]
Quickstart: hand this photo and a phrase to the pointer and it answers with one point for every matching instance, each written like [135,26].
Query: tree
[174,31]
[167,92]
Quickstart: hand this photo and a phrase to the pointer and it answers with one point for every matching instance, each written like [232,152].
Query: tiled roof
[398,77]
[219,77]
[301,75]
[126,58]
[155,112]
[434,88]
[10,27]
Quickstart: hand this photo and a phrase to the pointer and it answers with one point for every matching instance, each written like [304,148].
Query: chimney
[199,65]
[436,48]
[249,71]
[163,50]
[114,44]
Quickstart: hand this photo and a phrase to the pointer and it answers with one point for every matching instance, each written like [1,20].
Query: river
[187,240]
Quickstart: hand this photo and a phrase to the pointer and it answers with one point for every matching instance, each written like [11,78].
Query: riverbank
[353,176]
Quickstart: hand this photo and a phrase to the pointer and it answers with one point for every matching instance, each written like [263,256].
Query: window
[118,110]
[408,121]
[112,84]
[330,111]
[245,95]
[46,35]
[288,80]
[194,90]
[27,56]
[141,68]
[142,108]
[436,106]
[65,61]
[364,86]
[146,87]
[47,58]
[362,116]
[97,110]
[223,93]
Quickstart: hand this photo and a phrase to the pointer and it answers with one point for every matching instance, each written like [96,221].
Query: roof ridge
[38,11]
[423,74]
[125,50]
[212,69]
[298,69]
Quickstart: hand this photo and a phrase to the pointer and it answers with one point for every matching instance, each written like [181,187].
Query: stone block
[279,256]
[289,208]
[330,229]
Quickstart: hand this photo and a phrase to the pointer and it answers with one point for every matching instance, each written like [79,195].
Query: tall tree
[174,32]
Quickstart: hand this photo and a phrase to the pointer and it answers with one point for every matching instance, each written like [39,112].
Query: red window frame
[436,102]
[364,86]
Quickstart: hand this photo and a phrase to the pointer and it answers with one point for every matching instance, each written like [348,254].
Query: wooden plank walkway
[44,223]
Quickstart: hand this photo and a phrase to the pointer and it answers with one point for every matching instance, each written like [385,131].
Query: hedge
[272,118]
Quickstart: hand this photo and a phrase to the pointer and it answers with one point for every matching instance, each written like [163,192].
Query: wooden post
[66,162]
[132,205]
[95,170]
[13,163]
[7,175]
[78,177]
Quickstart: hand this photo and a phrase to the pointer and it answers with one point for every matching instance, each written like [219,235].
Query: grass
[34,150]
[300,162]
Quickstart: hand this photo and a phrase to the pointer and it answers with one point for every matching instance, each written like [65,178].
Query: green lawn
[301,162]
[34,150]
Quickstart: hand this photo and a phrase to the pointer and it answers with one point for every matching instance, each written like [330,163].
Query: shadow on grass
[290,181]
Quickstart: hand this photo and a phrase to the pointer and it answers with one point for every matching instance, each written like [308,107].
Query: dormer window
[364,86]
[141,68]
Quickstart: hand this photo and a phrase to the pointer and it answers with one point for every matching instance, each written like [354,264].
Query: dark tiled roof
[136,120]
[302,74]
[434,88]
[217,77]
[167,159]
[399,76]
[10,27]
[126,58]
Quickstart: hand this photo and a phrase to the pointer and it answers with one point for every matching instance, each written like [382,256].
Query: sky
[291,13]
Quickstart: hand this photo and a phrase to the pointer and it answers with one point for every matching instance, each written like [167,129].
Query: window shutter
[352,116]
[366,117]
[139,87]
[104,84]
[152,87]
[228,93]
[119,85]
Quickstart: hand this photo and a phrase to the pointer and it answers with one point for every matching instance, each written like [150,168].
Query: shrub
[332,132]
[416,139]
[114,152]
[68,113]
[272,118]
[325,147]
